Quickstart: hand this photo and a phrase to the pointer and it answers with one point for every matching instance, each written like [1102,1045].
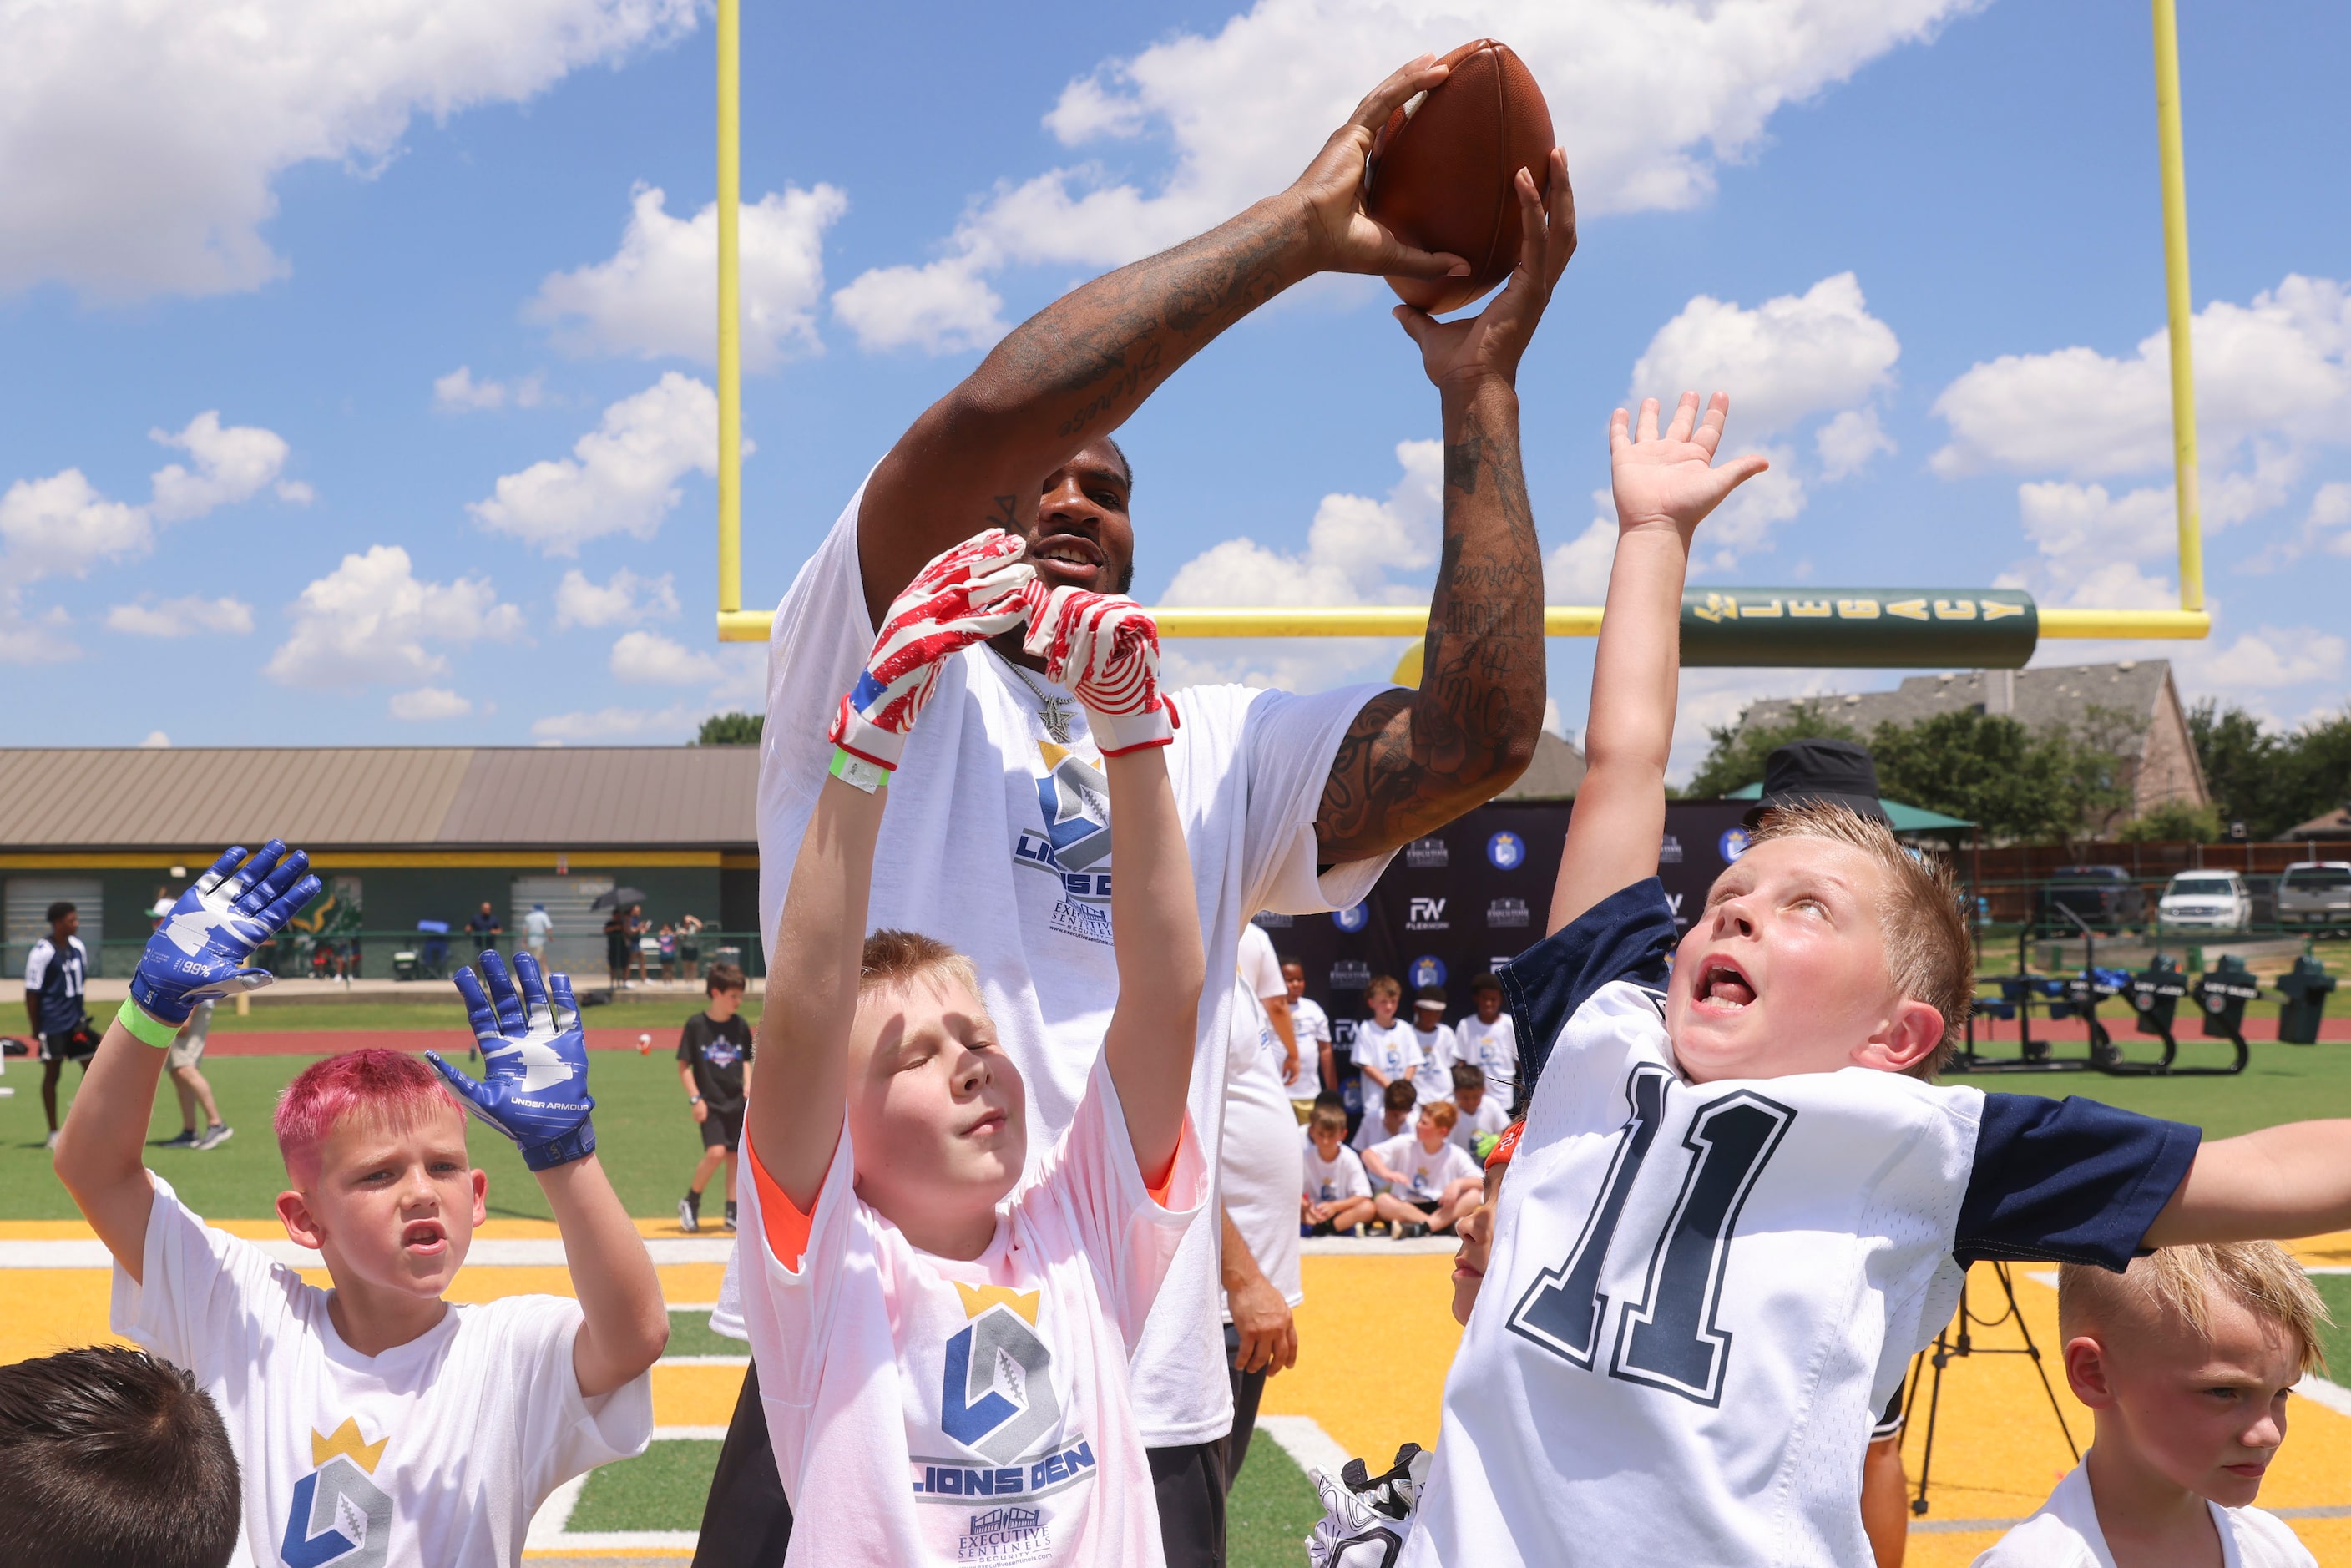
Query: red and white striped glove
[1105,648]
[966,595]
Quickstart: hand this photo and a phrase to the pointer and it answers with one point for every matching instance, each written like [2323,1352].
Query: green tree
[730,729]
[1735,758]
[2018,784]
[2172,822]
[2271,780]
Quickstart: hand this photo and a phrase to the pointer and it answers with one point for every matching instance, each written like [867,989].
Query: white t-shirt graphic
[2064,1532]
[433,1455]
[1421,1175]
[1392,1049]
[1312,1025]
[995,839]
[1493,1050]
[1339,1177]
[929,1410]
[1432,1076]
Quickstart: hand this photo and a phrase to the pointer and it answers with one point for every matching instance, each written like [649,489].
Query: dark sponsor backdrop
[1472,895]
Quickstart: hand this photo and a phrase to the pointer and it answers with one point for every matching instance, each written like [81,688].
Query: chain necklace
[1051,711]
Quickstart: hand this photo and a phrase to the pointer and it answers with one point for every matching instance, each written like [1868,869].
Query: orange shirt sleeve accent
[780,1218]
[1159,1194]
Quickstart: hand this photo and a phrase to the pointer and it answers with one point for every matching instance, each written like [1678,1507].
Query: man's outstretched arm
[1074,371]
[1415,760]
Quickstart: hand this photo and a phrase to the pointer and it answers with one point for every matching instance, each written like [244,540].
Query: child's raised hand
[535,1058]
[1670,480]
[1105,648]
[202,948]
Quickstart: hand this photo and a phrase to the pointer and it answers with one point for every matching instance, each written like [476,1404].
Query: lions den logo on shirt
[998,1404]
[340,1516]
[1073,799]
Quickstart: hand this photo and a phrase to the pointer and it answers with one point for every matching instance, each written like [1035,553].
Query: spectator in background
[617,943]
[1430,1183]
[1432,1076]
[188,1083]
[1491,1039]
[54,973]
[114,1456]
[1256,1258]
[1482,1115]
[668,940]
[643,944]
[1384,1050]
[1261,973]
[713,1062]
[1336,1195]
[1310,1027]
[1392,1120]
[486,928]
[535,928]
[689,945]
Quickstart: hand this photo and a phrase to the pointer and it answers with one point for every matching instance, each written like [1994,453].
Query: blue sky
[1917,241]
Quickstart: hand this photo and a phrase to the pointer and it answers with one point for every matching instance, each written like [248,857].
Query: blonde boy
[1739,1204]
[375,1421]
[1335,1194]
[1386,1050]
[2184,1361]
[945,1375]
[1429,1181]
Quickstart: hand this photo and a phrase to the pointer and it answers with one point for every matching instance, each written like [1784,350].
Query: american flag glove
[1105,648]
[965,595]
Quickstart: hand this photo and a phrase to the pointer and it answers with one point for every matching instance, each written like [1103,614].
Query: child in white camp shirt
[1385,1052]
[1432,1075]
[2064,1532]
[1488,1041]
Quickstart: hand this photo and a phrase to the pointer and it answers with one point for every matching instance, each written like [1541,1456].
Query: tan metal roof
[390,797]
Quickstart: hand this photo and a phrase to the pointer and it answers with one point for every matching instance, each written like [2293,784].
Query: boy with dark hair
[1311,1026]
[1738,1203]
[1489,1041]
[1482,1121]
[1432,1077]
[109,1458]
[1390,1118]
[54,972]
[714,1064]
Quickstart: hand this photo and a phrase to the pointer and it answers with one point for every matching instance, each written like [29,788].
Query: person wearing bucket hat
[1819,768]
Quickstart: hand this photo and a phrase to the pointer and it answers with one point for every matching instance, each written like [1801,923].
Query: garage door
[28,900]
[577,943]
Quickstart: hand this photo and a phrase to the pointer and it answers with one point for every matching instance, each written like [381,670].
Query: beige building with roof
[2133,706]
[400,834]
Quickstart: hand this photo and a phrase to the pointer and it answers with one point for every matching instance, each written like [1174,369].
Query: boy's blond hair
[1929,953]
[895,958]
[1383,986]
[2179,1282]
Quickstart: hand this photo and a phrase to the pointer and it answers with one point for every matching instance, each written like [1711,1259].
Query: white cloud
[427,703]
[140,144]
[1576,571]
[658,295]
[372,620]
[2331,509]
[623,600]
[622,477]
[671,723]
[648,658]
[62,526]
[1650,96]
[181,617]
[1783,362]
[2093,546]
[156,741]
[459,392]
[2266,660]
[232,464]
[1848,441]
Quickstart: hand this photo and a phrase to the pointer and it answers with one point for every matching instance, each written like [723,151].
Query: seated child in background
[1430,1182]
[1318,1067]
[2185,1358]
[1432,1075]
[1739,1204]
[1336,1195]
[943,1372]
[1489,1041]
[1482,1115]
[111,1457]
[713,1064]
[1385,1052]
[442,1426]
[1392,1119]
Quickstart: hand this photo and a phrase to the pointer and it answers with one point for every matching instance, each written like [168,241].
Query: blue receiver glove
[535,1059]
[200,950]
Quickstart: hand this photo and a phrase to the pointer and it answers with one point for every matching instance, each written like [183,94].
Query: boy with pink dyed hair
[376,1421]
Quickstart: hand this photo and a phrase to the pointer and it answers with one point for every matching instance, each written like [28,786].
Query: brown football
[1441,177]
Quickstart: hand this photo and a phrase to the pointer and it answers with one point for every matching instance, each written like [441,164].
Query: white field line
[1304,1440]
[550,1526]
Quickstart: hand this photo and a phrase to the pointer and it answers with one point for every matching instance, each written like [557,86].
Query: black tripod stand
[1954,1342]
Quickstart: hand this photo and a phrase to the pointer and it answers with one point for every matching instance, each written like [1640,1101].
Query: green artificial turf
[661,1489]
[1270,1510]
[2281,1084]
[689,1335]
[2335,1289]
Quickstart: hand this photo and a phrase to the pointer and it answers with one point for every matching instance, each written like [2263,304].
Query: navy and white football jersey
[1701,1295]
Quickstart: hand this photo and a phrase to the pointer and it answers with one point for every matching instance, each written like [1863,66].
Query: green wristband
[147,1027]
[856,772]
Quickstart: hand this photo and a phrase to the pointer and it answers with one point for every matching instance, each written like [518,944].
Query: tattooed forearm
[1415,760]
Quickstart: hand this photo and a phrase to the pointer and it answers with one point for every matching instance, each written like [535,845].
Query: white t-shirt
[1253,1037]
[536,926]
[1432,1076]
[1393,1051]
[929,1410]
[1254,1175]
[1372,1131]
[1493,1050]
[1421,1175]
[433,1455]
[2065,1533]
[995,839]
[1328,1180]
[1311,1026]
[1490,1117]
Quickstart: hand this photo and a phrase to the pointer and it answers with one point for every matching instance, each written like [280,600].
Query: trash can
[2222,993]
[405,965]
[2305,988]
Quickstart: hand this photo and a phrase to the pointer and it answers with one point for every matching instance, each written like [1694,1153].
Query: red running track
[327,1041]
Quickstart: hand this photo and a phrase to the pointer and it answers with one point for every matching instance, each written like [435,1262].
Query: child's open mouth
[423,1238]
[1724,983]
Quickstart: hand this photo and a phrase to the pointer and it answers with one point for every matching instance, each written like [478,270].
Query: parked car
[2104,897]
[2206,900]
[2315,892]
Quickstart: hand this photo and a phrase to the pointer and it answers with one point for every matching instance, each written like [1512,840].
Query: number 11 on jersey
[1669,1338]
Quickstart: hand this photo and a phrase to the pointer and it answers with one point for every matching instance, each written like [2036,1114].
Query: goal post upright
[730,315]
[2179,308]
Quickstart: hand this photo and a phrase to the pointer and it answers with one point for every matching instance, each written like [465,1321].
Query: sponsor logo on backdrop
[1733,844]
[1349,975]
[1426,914]
[1670,852]
[1354,917]
[1506,851]
[1426,854]
[1272,922]
[1429,970]
[1506,914]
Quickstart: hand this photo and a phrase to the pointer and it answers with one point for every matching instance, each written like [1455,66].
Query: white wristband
[1118,733]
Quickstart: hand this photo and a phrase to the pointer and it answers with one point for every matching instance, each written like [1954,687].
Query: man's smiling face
[1080,535]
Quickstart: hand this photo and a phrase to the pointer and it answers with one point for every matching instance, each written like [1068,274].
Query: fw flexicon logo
[1426,914]
[340,1516]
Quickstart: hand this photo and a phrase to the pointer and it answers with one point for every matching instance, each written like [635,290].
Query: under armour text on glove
[204,946]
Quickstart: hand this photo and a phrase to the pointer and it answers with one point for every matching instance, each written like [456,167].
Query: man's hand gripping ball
[535,1057]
